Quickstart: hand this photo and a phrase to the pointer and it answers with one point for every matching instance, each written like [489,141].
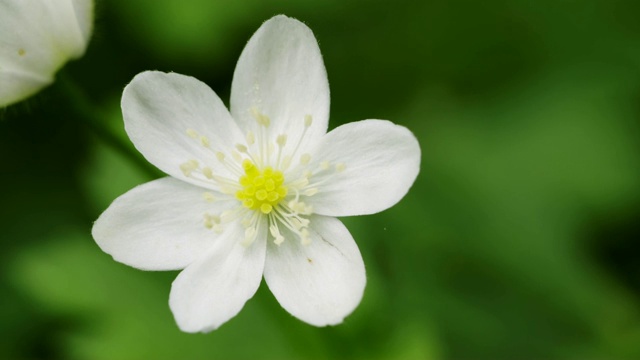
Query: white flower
[37,37]
[254,191]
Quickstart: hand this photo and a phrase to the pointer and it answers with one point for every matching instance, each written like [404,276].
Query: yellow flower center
[261,190]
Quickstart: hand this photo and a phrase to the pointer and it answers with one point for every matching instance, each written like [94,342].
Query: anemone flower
[254,191]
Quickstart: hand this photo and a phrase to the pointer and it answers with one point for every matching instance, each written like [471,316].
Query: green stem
[95,119]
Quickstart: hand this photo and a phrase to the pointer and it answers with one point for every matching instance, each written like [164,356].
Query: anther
[308,120]
[324,165]
[204,141]
[208,197]
[308,211]
[207,172]
[220,156]
[260,118]
[300,207]
[281,140]
[266,121]
[186,170]
[241,148]
[305,159]
[304,237]
[297,225]
[249,236]
[251,139]
[188,167]
[277,237]
[340,167]
[192,133]
[212,222]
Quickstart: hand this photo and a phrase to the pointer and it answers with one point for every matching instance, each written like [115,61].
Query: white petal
[36,39]
[381,161]
[158,225]
[281,74]
[18,85]
[320,283]
[83,10]
[160,109]
[214,289]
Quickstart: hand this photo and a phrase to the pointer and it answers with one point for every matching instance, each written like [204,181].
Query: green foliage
[518,240]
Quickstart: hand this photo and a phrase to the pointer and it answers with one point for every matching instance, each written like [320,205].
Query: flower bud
[37,37]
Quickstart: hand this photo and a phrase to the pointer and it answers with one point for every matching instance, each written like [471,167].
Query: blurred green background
[519,239]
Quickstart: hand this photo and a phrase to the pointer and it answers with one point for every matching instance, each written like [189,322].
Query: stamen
[243,149]
[228,216]
[325,165]
[212,222]
[291,221]
[281,140]
[251,139]
[300,183]
[192,133]
[208,197]
[307,123]
[262,189]
[230,165]
[266,121]
[236,156]
[275,231]
[310,192]
[246,222]
[304,237]
[261,118]
[251,230]
[205,141]
[189,166]
[249,236]
[207,172]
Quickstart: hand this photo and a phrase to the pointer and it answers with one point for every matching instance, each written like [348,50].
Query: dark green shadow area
[519,238]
